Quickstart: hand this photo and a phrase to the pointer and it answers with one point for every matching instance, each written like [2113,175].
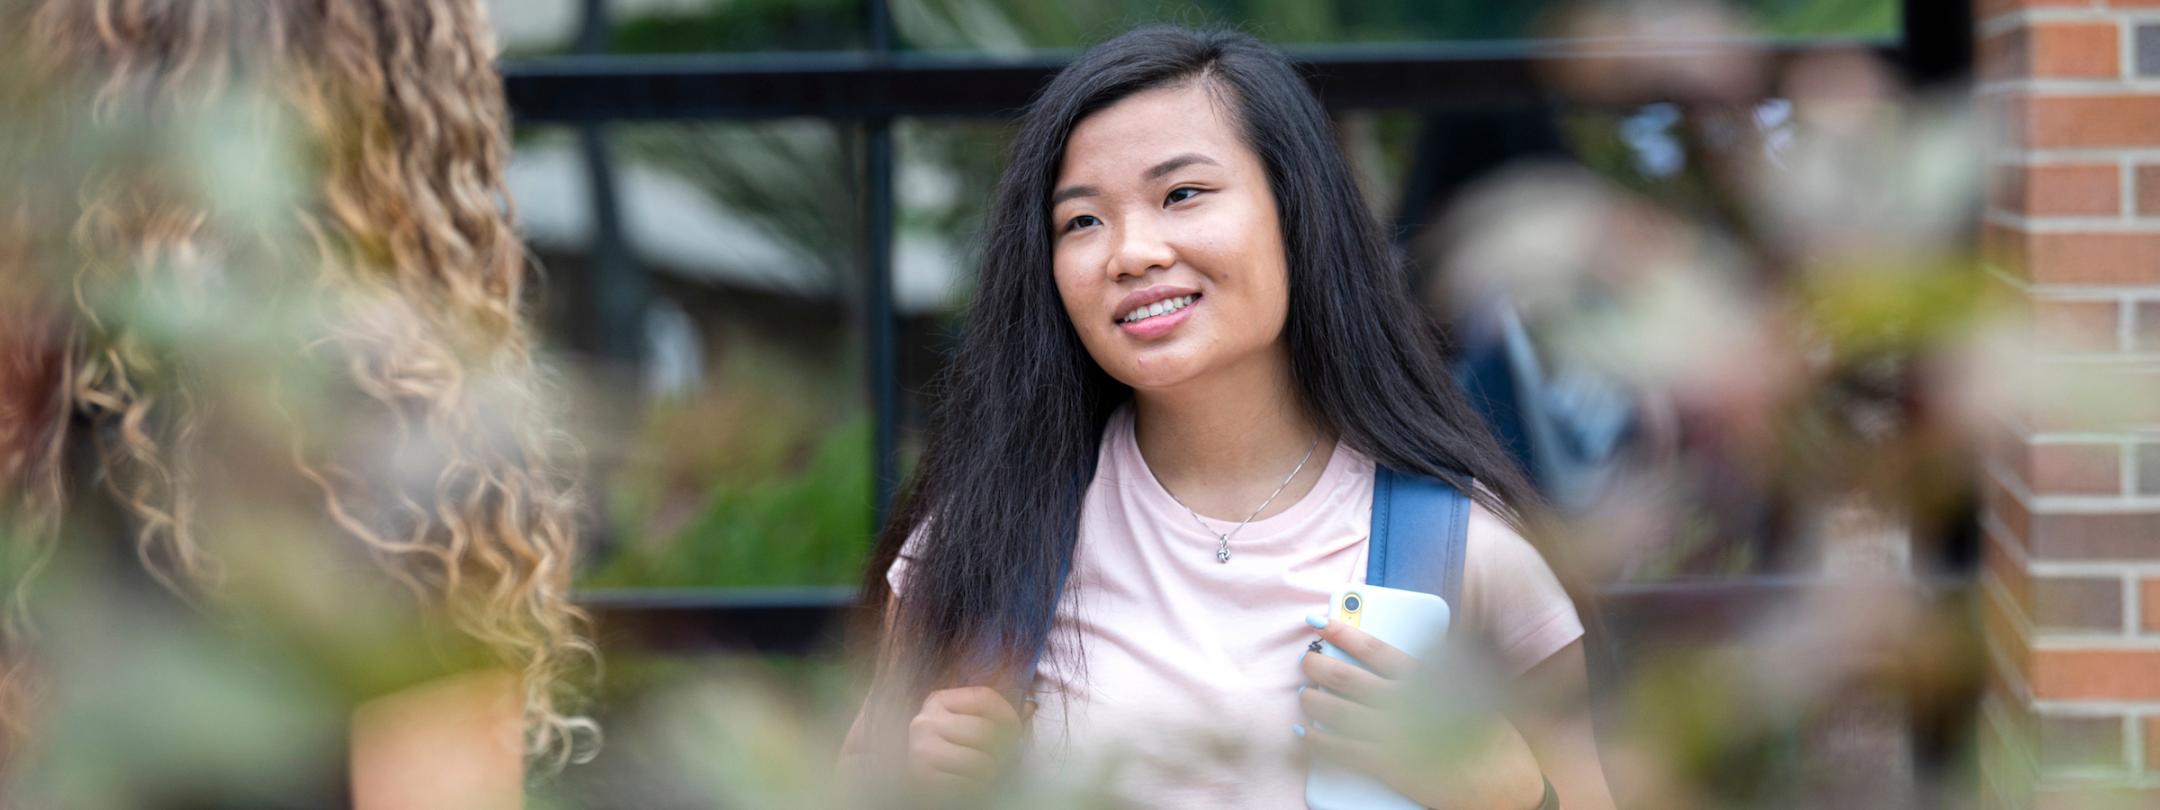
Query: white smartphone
[1411,621]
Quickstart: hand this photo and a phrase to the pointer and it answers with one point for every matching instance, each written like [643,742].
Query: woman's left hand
[1355,718]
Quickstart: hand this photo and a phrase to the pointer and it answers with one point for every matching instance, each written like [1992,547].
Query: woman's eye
[1181,194]
[1081,221]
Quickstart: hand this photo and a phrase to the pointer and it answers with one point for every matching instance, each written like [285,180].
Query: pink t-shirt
[1191,666]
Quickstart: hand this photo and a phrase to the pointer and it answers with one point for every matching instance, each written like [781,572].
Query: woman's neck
[1222,444]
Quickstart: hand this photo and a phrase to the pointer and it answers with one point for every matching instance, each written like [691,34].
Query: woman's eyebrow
[1176,163]
[1154,172]
[1070,192]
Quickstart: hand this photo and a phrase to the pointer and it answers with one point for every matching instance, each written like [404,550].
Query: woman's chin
[1156,374]
[1182,365]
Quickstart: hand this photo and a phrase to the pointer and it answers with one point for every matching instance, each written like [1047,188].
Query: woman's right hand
[958,743]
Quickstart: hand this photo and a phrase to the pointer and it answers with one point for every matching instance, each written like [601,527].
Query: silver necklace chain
[1222,552]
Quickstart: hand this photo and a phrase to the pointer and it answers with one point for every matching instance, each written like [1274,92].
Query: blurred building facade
[2072,521]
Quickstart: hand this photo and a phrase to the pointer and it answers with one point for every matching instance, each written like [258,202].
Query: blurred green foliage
[809,529]
[1796,18]
[779,475]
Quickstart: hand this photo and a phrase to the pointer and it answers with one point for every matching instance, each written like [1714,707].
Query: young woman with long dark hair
[1154,455]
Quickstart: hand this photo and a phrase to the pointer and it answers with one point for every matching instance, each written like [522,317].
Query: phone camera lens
[1351,603]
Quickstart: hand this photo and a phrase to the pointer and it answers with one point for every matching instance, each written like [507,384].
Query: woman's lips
[1160,325]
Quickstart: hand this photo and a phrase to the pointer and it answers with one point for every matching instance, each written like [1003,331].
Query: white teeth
[1164,307]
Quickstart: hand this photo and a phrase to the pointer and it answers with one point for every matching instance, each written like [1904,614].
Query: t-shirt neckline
[1127,445]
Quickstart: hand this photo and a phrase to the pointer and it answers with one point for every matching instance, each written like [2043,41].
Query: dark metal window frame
[870,88]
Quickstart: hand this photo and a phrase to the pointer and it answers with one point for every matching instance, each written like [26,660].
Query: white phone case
[1411,621]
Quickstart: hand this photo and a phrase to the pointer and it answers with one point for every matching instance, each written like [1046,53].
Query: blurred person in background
[267,392]
[1204,470]
[1767,264]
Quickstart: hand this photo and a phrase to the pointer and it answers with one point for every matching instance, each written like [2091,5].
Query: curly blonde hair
[412,283]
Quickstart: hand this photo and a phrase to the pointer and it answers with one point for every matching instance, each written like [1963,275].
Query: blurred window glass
[739,454]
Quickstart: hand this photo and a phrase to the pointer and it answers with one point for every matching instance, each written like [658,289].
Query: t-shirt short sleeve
[1511,596]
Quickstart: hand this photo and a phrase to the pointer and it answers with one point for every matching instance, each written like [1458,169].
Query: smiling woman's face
[1165,242]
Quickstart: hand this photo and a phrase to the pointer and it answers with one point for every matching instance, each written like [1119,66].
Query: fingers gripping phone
[1411,621]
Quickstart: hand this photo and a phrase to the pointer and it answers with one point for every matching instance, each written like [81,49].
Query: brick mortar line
[2057,641]
[2019,623]
[2082,295]
[2132,716]
[2128,735]
[2129,628]
[2125,339]
[2125,50]
[2133,476]
[2073,226]
[2011,422]
[2129,449]
[2126,301]
[2103,505]
[2082,292]
[2071,437]
[2127,180]
[2098,157]
[2092,709]
[2131,624]
[2009,480]
[2108,357]
[2097,708]
[2028,17]
[2129,741]
[2078,778]
[2142,86]
[2052,786]
[2005,666]
[2025,433]
[1991,526]
[2019,748]
[2081,780]
[2071,155]
[2028,435]
[2132,292]
[2057,158]
[2092,569]
[2068,504]
[1991,268]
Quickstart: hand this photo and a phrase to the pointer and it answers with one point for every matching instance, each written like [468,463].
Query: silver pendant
[1222,555]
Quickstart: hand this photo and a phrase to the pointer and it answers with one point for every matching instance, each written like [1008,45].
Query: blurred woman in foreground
[261,332]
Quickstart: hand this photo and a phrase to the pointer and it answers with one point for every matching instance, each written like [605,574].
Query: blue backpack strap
[1420,534]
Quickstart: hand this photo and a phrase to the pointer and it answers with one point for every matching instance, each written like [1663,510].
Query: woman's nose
[1142,248]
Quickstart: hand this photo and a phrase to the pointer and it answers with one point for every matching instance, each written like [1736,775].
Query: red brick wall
[2071,589]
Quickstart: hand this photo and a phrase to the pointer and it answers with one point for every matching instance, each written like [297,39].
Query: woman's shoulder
[1494,549]
[1511,596]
